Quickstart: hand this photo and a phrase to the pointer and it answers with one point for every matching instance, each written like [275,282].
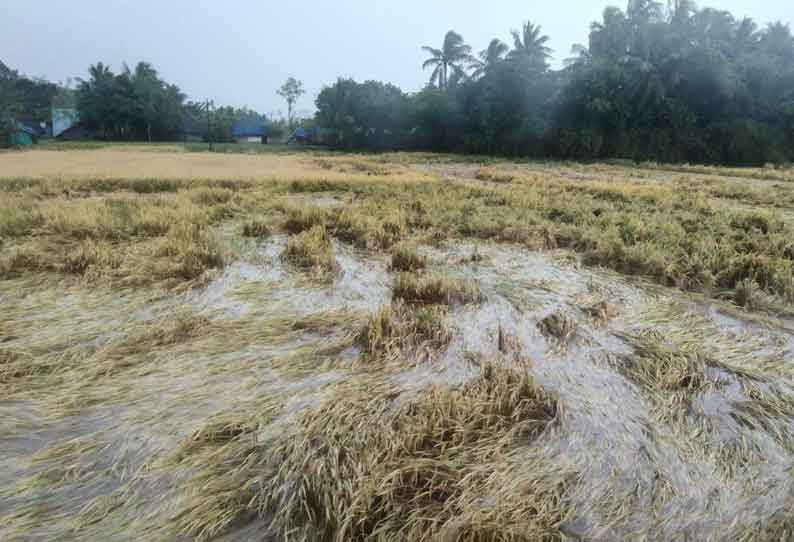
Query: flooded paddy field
[394,347]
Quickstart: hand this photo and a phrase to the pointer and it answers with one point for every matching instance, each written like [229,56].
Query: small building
[75,133]
[250,130]
[22,136]
[304,136]
[62,119]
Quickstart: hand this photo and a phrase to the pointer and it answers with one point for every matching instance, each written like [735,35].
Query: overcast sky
[239,51]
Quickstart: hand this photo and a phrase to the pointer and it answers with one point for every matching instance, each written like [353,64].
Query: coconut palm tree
[746,37]
[580,55]
[451,57]
[777,39]
[529,47]
[488,58]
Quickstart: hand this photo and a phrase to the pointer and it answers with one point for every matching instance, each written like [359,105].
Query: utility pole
[209,104]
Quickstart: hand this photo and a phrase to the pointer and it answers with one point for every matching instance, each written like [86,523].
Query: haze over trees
[663,83]
[137,104]
[675,84]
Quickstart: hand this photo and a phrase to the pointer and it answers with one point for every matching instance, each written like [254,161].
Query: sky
[238,52]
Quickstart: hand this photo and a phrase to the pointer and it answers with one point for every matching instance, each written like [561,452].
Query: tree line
[26,98]
[135,104]
[666,83]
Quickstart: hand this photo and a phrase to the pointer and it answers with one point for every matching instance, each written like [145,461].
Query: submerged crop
[323,347]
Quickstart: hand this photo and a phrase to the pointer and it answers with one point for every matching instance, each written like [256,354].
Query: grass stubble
[323,447]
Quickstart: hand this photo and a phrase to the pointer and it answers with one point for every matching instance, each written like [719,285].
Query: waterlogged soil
[88,442]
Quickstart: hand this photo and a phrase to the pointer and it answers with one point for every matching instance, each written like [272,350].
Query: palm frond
[431,62]
[518,44]
[436,76]
[433,51]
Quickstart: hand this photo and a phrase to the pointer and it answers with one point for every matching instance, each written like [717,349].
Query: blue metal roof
[249,127]
[30,127]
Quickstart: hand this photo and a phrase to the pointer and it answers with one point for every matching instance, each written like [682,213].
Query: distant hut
[76,133]
[26,132]
[63,118]
[250,130]
[21,136]
[64,114]
[303,136]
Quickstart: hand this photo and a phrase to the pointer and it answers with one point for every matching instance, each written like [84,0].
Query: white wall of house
[63,119]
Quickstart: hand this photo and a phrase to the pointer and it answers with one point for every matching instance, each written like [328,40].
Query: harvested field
[326,347]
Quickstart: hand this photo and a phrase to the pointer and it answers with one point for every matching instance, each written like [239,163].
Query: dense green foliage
[23,98]
[669,85]
[674,84]
[692,86]
[139,105]
[135,104]
[291,90]
[8,101]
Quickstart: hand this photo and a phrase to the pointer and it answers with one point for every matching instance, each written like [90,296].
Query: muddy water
[656,477]
[87,459]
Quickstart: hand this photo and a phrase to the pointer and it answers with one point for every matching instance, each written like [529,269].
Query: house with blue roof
[304,136]
[251,129]
[26,132]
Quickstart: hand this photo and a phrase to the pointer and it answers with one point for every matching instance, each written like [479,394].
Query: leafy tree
[580,55]
[489,58]
[437,121]
[697,85]
[147,86]
[9,102]
[276,129]
[674,84]
[369,115]
[452,57]
[529,48]
[95,98]
[35,97]
[135,104]
[291,91]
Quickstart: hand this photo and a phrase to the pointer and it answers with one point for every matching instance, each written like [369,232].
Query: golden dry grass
[405,257]
[171,371]
[311,250]
[434,289]
[132,163]
[399,330]
[418,472]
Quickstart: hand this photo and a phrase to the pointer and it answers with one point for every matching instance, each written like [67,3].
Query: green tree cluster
[654,83]
[684,85]
[24,98]
[9,102]
[132,105]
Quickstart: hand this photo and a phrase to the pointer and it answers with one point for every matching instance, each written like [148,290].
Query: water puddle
[85,458]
